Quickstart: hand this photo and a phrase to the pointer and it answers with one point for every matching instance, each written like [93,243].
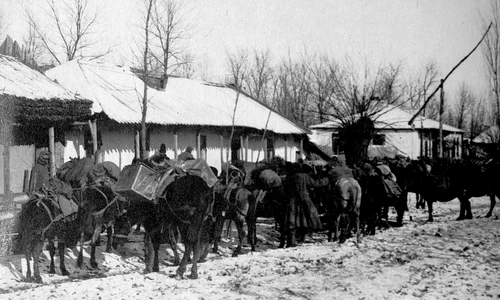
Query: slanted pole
[441,111]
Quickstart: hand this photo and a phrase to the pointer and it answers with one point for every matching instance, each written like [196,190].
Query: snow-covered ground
[446,259]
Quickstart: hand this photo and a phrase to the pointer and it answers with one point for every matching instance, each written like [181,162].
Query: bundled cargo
[138,181]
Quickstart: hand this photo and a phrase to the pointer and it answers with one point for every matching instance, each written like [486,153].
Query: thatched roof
[27,95]
[117,92]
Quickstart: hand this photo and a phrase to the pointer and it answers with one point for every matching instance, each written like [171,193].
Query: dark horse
[462,179]
[343,208]
[41,218]
[186,203]
[100,206]
[239,206]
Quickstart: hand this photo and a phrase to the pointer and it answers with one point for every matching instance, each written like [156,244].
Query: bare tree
[70,31]
[321,85]
[146,61]
[260,76]
[463,107]
[168,33]
[491,54]
[478,117]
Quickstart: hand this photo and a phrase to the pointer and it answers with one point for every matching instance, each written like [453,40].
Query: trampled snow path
[446,259]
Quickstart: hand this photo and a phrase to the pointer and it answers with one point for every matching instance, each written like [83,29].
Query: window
[379,139]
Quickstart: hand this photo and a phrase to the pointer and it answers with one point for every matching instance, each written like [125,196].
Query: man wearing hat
[40,173]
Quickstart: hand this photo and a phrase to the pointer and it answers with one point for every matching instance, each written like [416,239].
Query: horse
[41,218]
[135,212]
[186,203]
[344,204]
[462,179]
[100,206]
[239,206]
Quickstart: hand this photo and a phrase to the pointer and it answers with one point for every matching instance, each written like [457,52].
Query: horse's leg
[36,267]
[61,247]
[93,243]
[197,251]
[109,233]
[429,205]
[492,205]
[228,229]
[337,223]
[468,209]
[252,231]
[148,252]
[27,254]
[184,261]
[79,261]
[173,244]
[156,248]
[241,235]
[358,239]
[52,252]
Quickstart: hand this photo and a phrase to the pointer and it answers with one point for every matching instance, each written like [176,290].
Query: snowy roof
[117,92]
[490,135]
[19,80]
[395,118]
[28,95]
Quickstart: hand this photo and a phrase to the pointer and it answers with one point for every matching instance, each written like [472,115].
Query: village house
[395,136]
[186,113]
[35,112]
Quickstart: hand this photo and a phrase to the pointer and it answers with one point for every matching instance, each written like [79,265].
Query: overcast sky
[381,31]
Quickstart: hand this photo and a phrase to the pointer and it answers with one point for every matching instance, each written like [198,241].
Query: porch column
[198,145]
[52,153]
[176,145]
[286,149]
[137,145]
[242,149]
[247,148]
[221,151]
[264,148]
[301,148]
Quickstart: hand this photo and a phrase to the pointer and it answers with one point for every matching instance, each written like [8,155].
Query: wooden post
[6,132]
[441,111]
[264,148]
[242,149]
[247,148]
[286,149]
[52,152]
[176,145]
[301,148]
[198,145]
[221,151]
[137,145]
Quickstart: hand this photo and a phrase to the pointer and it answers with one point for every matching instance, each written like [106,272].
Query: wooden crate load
[138,182]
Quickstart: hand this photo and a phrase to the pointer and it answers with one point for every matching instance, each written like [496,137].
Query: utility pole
[441,111]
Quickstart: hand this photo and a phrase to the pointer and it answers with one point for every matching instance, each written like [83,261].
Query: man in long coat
[301,214]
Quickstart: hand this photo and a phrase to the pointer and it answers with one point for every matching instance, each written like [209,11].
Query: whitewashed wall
[406,141]
[118,145]
[22,158]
